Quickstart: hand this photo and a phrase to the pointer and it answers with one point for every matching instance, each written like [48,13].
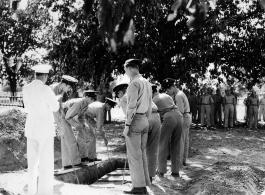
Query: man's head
[218,91]
[131,67]
[253,93]
[120,90]
[169,85]
[228,92]
[90,95]
[110,103]
[42,71]
[68,83]
[209,90]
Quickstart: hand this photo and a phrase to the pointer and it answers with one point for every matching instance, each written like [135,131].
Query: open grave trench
[108,173]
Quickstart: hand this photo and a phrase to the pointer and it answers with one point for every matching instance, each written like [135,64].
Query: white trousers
[40,155]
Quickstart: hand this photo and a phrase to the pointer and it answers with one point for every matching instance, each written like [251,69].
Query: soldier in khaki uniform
[206,101]
[218,100]
[193,105]
[229,103]
[139,108]
[171,130]
[153,132]
[75,110]
[183,105]
[95,115]
[253,101]
[69,148]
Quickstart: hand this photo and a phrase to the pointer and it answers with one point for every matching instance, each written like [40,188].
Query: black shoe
[67,167]
[84,159]
[175,174]
[79,165]
[96,159]
[159,174]
[184,164]
[141,190]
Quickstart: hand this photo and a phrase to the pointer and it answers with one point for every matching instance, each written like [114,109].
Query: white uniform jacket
[40,103]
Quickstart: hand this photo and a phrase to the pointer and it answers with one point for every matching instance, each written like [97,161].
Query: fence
[11,101]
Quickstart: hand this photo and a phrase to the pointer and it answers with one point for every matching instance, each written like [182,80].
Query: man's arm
[51,100]
[132,94]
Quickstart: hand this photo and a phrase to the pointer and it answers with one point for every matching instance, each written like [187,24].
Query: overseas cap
[168,82]
[42,68]
[111,102]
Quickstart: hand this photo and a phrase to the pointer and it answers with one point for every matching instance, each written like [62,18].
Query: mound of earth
[13,148]
[227,178]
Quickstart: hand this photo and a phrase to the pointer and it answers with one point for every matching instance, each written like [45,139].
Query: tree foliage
[18,34]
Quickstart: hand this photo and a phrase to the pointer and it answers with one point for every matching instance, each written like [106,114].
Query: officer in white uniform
[40,103]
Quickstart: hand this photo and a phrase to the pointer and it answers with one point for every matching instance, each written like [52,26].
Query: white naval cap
[42,68]
[69,79]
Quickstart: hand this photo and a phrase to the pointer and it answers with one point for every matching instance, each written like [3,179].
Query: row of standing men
[156,124]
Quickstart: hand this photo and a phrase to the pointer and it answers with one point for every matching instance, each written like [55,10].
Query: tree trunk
[11,76]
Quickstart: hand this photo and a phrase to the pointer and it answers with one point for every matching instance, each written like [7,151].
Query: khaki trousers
[171,128]
[86,141]
[185,137]
[229,115]
[253,116]
[40,156]
[206,109]
[68,142]
[212,114]
[152,143]
[136,151]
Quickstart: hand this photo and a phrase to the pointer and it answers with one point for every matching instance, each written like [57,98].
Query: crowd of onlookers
[216,110]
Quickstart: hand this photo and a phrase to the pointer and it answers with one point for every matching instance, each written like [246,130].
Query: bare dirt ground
[220,162]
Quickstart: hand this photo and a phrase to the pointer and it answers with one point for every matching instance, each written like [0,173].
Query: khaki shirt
[182,102]
[139,98]
[163,101]
[123,104]
[75,114]
[229,100]
[206,99]
[96,110]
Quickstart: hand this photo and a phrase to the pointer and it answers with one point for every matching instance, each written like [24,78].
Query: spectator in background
[235,111]
[199,105]
[193,105]
[262,107]
[100,95]
[229,103]
[206,101]
[253,101]
[246,103]
[218,100]
[210,92]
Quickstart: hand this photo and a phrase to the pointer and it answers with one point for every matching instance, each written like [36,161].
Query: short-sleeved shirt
[163,101]
[76,109]
[96,110]
[229,99]
[182,102]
